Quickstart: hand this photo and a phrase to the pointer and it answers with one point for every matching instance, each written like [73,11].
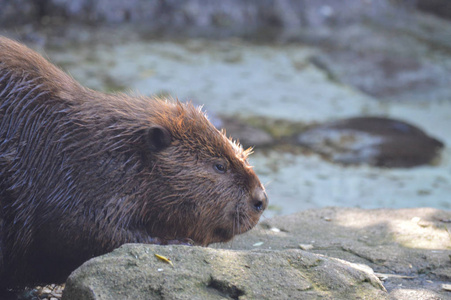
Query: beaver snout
[259,200]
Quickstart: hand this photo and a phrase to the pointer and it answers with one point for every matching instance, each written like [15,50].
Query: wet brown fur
[78,177]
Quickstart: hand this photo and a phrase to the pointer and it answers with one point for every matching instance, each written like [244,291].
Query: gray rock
[410,249]
[398,56]
[133,272]
[375,141]
[192,13]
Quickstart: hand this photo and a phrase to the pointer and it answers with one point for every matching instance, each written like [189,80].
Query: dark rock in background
[375,141]
[441,8]
[203,16]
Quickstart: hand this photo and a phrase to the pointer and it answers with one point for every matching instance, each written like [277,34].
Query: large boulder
[134,272]
[408,249]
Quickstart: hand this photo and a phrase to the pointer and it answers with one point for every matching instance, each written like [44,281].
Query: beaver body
[82,172]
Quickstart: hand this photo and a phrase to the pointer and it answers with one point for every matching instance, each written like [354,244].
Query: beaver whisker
[237,217]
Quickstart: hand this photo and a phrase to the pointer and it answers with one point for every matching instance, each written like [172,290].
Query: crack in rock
[225,288]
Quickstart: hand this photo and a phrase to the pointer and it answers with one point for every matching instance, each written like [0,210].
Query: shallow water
[235,78]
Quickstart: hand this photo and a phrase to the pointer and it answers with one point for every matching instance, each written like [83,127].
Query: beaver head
[196,182]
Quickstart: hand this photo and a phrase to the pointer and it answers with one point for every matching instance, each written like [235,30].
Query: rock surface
[133,272]
[409,249]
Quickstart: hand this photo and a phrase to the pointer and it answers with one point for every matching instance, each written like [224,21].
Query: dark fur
[83,172]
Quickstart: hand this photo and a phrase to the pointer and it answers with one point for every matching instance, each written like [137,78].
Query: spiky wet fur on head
[81,172]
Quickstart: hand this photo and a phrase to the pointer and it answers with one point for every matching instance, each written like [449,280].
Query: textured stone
[133,272]
[413,260]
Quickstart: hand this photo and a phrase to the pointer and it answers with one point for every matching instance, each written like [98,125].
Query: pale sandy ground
[234,78]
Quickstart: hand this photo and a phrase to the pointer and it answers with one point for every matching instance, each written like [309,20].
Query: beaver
[83,172]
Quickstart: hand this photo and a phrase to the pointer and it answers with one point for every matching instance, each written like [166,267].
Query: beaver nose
[259,199]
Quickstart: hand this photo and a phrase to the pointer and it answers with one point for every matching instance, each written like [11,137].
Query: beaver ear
[158,138]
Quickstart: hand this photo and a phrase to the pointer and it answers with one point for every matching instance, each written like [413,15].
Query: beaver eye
[220,168]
